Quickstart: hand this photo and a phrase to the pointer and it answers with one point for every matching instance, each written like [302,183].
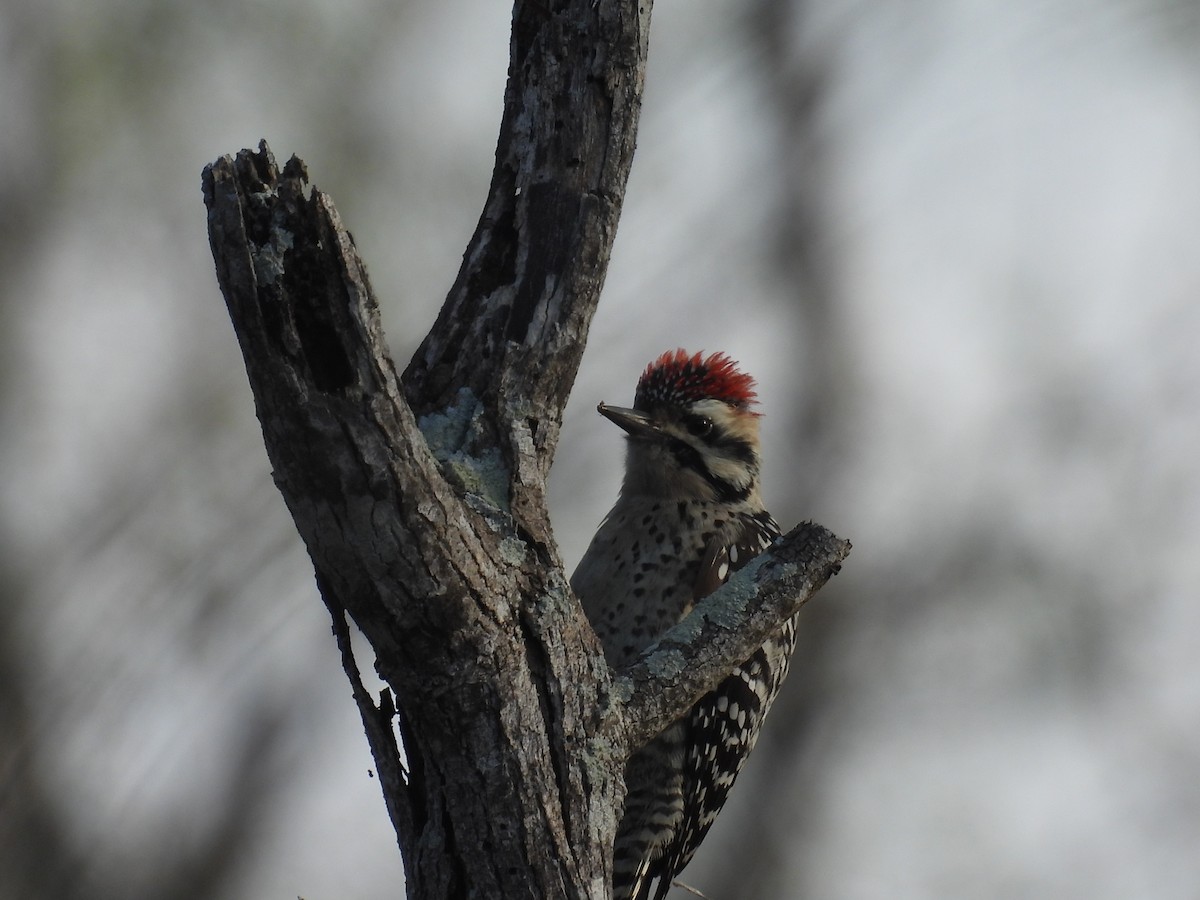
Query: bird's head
[692,433]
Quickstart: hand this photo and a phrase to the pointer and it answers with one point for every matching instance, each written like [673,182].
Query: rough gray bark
[422,499]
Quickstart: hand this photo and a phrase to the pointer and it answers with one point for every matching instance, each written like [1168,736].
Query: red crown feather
[676,378]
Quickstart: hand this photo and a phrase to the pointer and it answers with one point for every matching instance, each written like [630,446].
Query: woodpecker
[689,514]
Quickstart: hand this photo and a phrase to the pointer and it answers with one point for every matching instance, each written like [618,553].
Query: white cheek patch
[730,471]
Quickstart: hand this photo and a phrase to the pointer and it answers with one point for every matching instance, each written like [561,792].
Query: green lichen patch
[458,440]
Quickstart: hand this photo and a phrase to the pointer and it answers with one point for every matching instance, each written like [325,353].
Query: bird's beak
[636,423]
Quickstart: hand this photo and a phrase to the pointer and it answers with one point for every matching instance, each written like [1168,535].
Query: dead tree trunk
[422,498]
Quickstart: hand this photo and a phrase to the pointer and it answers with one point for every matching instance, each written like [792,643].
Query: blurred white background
[955,241]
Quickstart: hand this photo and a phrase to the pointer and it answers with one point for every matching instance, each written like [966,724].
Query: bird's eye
[700,426]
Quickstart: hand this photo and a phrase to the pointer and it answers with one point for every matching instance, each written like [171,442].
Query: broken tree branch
[728,624]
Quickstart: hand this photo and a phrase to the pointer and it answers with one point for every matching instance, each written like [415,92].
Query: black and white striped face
[705,449]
